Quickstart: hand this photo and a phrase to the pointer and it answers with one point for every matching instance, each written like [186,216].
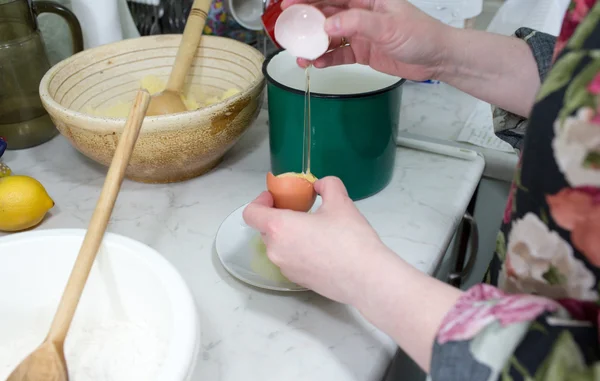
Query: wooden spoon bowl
[166,102]
[169,101]
[46,363]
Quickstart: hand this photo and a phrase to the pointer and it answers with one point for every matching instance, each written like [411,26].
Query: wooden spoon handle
[192,33]
[99,222]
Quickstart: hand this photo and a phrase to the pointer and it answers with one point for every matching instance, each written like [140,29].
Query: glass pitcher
[23,62]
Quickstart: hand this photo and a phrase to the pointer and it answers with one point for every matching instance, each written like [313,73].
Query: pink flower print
[594,86]
[576,146]
[509,203]
[581,310]
[578,211]
[559,45]
[596,113]
[571,206]
[484,304]
[539,261]
[511,193]
[574,15]
[585,236]
[581,9]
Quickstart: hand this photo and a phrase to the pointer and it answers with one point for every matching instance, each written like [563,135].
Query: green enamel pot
[355,112]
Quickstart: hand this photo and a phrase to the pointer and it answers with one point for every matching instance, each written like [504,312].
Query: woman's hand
[336,253]
[391,36]
[329,251]
[395,37]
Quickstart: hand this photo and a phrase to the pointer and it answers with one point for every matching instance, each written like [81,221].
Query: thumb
[370,25]
[331,189]
[258,213]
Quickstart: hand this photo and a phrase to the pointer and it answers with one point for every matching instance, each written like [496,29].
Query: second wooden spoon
[47,362]
[169,100]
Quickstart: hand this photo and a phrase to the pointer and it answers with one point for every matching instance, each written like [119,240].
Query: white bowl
[246,12]
[129,281]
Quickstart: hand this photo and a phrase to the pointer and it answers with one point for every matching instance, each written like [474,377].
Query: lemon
[23,203]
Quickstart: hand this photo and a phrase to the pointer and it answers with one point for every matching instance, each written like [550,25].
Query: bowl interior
[130,284]
[246,12]
[102,78]
[355,79]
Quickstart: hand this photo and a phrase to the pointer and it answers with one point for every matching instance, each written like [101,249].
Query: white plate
[237,247]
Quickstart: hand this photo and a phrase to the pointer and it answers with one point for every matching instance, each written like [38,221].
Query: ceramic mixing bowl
[170,148]
[134,301]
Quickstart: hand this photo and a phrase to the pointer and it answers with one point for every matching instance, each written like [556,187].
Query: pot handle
[40,7]
[474,246]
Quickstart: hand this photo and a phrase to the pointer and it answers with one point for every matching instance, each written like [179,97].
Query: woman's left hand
[336,253]
[329,251]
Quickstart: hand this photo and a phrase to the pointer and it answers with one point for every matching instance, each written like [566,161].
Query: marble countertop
[441,111]
[248,333]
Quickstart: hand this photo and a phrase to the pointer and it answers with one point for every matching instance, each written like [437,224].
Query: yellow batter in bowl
[155,85]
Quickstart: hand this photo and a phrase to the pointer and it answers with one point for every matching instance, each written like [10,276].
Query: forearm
[498,69]
[406,304]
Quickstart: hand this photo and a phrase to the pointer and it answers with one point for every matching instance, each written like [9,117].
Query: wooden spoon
[169,100]
[47,362]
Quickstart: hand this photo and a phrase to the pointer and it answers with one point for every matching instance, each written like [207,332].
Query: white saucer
[238,249]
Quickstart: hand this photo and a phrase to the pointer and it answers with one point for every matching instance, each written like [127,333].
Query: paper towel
[543,15]
[452,12]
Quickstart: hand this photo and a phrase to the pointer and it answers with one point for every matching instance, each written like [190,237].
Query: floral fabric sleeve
[541,321]
[490,335]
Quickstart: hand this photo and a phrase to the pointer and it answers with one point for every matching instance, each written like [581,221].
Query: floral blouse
[540,321]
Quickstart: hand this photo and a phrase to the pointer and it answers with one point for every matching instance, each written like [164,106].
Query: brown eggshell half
[291,192]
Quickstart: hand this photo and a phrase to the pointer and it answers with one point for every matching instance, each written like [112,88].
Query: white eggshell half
[299,29]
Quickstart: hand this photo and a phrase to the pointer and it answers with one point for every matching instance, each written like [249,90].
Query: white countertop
[441,111]
[247,333]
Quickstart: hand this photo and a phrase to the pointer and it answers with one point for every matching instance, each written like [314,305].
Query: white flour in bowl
[96,350]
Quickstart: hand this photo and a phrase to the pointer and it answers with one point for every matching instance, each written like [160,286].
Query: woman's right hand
[391,36]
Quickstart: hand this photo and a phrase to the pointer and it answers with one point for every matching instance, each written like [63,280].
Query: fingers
[322,4]
[339,56]
[287,3]
[303,63]
[330,10]
[261,215]
[359,22]
[259,212]
[336,55]
[331,189]
[265,198]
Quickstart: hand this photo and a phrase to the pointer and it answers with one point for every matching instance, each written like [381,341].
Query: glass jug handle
[64,12]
